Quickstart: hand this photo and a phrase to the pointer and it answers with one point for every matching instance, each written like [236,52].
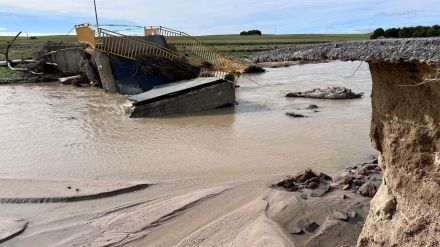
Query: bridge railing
[128,46]
[215,63]
[191,44]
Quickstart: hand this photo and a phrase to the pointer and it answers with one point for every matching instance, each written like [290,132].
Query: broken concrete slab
[105,72]
[182,97]
[68,60]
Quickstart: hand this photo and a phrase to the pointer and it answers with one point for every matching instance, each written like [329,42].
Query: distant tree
[392,33]
[377,33]
[435,31]
[251,32]
[407,32]
[420,31]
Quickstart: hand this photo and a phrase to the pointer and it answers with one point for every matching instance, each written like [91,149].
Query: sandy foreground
[239,214]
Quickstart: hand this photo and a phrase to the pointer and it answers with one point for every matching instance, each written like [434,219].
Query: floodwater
[50,131]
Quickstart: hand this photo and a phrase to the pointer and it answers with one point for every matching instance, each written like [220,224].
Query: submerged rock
[312,107]
[294,115]
[252,69]
[328,93]
[311,227]
[307,179]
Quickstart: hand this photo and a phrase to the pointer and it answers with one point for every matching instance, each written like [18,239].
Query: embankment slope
[405,130]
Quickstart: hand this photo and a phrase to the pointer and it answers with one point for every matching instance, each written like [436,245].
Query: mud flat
[10,228]
[39,191]
[328,215]
[121,225]
[270,216]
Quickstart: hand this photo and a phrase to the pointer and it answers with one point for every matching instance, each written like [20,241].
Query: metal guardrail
[195,46]
[130,47]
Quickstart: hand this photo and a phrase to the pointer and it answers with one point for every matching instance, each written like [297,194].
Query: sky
[200,17]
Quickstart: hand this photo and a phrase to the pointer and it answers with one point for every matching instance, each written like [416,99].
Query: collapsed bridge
[174,45]
[163,71]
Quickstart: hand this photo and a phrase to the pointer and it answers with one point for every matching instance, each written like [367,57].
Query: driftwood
[69,80]
[16,61]
[9,62]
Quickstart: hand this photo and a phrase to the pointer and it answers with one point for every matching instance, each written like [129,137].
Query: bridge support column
[105,72]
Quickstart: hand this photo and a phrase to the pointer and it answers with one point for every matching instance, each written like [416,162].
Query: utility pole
[96,15]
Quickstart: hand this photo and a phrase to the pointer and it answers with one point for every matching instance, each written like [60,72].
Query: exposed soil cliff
[405,130]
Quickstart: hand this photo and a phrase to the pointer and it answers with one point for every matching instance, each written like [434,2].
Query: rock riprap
[425,50]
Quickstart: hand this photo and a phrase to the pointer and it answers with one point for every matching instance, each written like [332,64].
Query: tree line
[251,32]
[407,32]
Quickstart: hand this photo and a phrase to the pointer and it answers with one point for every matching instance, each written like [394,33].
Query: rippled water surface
[50,131]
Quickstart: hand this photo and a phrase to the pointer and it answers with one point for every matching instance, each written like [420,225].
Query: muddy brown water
[60,132]
[56,132]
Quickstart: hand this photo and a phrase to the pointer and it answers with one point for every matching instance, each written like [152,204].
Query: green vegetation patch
[407,32]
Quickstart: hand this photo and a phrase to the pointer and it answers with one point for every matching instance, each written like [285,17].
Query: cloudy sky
[220,16]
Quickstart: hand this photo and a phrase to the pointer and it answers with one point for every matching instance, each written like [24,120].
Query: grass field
[235,45]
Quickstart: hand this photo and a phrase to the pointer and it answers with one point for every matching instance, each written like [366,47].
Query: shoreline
[266,216]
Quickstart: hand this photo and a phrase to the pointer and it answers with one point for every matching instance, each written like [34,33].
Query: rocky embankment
[325,209]
[405,130]
[424,50]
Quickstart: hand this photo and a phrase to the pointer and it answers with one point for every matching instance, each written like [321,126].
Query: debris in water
[328,93]
[294,115]
[252,69]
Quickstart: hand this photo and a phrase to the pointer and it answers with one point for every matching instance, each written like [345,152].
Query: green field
[234,45]
[25,47]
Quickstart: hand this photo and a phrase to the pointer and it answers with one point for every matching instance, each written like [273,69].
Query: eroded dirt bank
[405,130]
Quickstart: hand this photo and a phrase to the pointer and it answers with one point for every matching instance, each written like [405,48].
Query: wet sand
[209,171]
